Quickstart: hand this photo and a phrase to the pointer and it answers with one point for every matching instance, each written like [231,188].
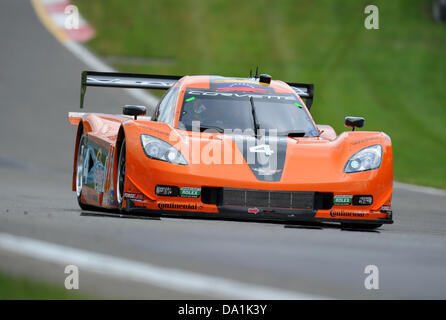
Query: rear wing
[304,90]
[125,80]
[152,81]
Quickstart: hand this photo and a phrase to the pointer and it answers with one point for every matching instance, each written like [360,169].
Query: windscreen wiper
[253,110]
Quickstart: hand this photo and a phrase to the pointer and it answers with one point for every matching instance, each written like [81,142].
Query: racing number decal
[266,160]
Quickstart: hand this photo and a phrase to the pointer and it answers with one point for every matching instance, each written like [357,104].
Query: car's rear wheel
[120,179]
[80,172]
[366,226]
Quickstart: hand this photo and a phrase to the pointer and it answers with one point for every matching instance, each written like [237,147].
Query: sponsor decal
[111,194]
[232,82]
[95,166]
[99,178]
[134,81]
[190,192]
[346,213]
[134,196]
[342,199]
[112,199]
[109,198]
[167,191]
[242,89]
[365,140]
[241,95]
[175,205]
[253,210]
[362,200]
[157,131]
[239,84]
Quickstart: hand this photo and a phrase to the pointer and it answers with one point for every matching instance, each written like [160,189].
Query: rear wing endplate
[304,90]
[125,80]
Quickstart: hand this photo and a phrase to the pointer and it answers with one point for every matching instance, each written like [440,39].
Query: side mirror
[354,122]
[135,111]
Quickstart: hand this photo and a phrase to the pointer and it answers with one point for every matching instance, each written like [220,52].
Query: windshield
[234,110]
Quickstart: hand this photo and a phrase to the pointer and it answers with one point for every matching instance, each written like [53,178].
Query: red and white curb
[52,14]
[59,11]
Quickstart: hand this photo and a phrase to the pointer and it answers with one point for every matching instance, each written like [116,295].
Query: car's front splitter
[239,213]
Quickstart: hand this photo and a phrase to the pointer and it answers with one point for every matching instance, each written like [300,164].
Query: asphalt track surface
[39,84]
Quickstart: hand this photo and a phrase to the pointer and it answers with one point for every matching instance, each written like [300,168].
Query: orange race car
[240,148]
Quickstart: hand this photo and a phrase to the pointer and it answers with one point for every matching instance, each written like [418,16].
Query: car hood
[272,158]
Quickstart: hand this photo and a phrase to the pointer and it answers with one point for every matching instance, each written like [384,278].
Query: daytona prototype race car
[232,148]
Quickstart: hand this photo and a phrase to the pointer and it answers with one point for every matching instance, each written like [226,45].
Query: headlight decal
[369,158]
[158,149]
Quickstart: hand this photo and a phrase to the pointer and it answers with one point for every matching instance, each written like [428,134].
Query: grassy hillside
[17,288]
[395,76]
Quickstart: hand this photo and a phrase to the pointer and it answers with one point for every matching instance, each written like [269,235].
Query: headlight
[161,150]
[366,159]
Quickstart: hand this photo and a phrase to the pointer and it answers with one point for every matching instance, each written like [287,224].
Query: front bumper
[304,207]
[377,183]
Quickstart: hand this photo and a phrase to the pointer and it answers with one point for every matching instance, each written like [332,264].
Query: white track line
[168,278]
[419,189]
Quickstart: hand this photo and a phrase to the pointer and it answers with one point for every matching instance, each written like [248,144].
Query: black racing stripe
[265,156]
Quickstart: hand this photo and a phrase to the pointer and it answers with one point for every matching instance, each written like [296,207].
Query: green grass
[395,76]
[17,288]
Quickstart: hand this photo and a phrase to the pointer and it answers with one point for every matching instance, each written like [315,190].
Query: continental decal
[344,213]
[174,205]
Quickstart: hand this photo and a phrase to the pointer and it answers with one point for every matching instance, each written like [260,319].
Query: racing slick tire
[365,226]
[80,171]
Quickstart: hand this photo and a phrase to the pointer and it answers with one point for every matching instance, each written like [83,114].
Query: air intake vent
[268,199]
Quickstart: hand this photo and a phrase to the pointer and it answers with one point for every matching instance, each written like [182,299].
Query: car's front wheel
[80,172]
